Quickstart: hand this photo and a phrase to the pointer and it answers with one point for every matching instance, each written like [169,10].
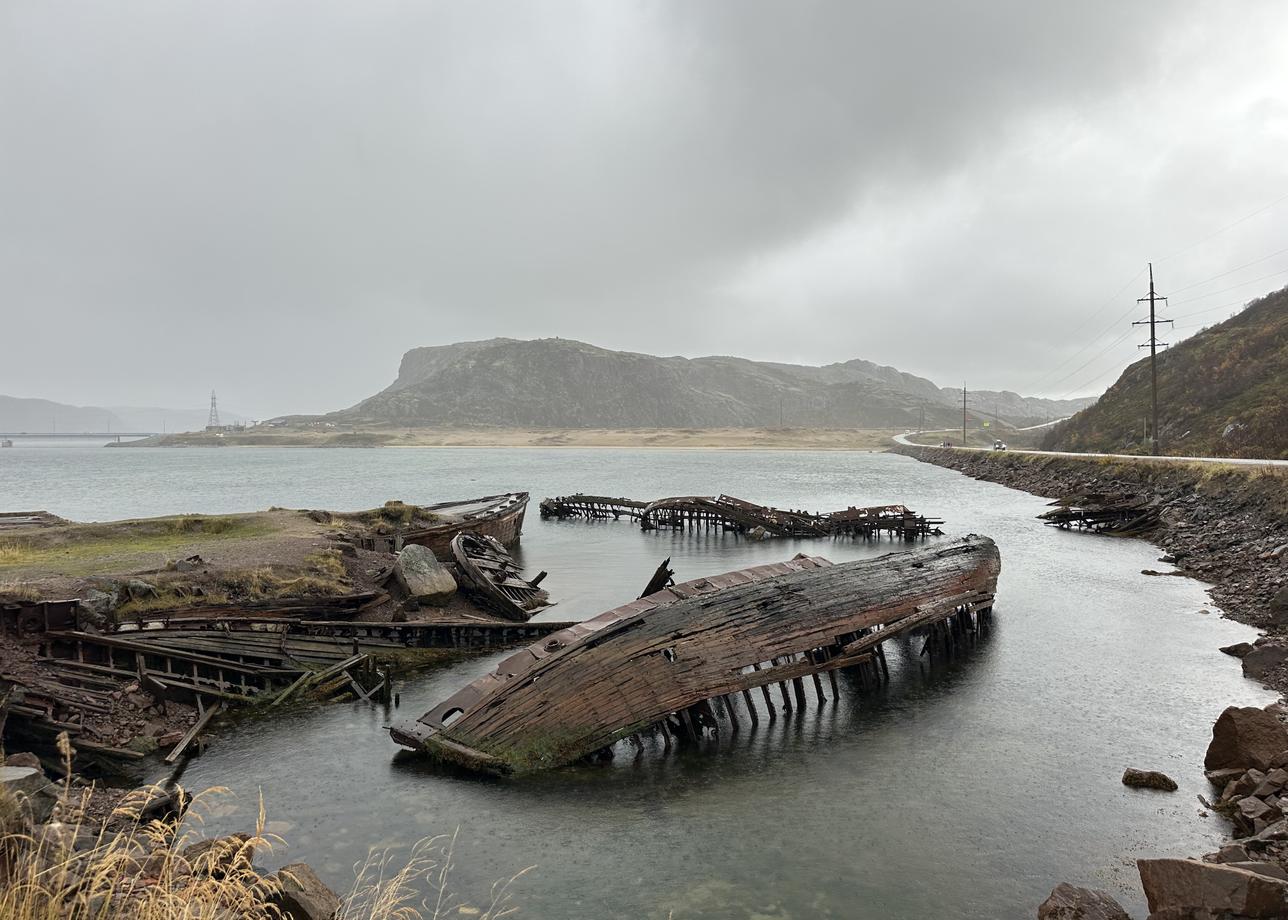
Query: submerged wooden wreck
[1119,513]
[671,659]
[741,516]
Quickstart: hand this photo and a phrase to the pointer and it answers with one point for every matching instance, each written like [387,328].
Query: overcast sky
[276,199]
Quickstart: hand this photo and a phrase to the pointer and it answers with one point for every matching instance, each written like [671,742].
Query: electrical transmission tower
[1153,299]
[213,421]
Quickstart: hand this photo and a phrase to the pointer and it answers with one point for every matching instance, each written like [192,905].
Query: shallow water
[963,791]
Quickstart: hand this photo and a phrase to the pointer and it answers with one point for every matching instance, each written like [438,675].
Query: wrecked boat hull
[497,516]
[583,688]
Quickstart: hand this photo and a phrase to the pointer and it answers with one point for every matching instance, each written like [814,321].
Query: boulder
[23,759]
[424,578]
[1252,815]
[1148,779]
[1273,784]
[1181,887]
[1245,736]
[1220,778]
[216,856]
[1231,852]
[302,895]
[1238,650]
[1263,659]
[1069,902]
[30,790]
[1247,781]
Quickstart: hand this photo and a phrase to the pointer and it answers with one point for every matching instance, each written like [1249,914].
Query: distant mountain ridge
[21,414]
[1221,393]
[561,383]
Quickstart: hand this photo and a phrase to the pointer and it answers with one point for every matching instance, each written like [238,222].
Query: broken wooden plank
[193,732]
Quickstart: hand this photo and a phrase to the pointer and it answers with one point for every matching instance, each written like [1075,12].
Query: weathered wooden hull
[489,573]
[496,516]
[585,687]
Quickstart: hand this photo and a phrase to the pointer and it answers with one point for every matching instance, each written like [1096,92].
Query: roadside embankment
[1226,525]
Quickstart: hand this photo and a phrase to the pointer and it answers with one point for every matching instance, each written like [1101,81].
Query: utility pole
[213,420]
[963,413]
[1152,345]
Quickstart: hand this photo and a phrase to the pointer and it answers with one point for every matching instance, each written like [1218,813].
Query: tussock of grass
[12,553]
[150,870]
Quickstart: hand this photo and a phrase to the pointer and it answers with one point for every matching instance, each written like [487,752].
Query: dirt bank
[1224,525]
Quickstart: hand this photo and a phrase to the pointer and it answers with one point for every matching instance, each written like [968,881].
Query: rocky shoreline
[1226,526]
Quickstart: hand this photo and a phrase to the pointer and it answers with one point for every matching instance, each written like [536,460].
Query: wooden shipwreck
[1119,513]
[490,573]
[673,659]
[496,516]
[725,512]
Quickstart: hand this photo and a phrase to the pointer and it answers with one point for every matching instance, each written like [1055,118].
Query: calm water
[966,791]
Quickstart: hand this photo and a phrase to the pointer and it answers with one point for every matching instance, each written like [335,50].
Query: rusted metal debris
[676,659]
[491,574]
[1121,513]
[496,516]
[726,512]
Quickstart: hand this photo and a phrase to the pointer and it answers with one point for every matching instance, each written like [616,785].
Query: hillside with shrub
[1222,392]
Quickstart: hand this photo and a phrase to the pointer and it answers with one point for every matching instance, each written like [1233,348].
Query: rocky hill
[1222,392]
[561,383]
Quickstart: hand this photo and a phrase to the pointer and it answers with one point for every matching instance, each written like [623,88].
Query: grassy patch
[87,549]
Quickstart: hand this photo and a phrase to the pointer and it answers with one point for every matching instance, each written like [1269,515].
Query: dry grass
[12,553]
[151,870]
[17,591]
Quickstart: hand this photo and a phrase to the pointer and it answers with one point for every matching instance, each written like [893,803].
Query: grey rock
[1189,884]
[1148,779]
[31,789]
[1252,815]
[1261,868]
[1220,778]
[1069,902]
[1273,784]
[1263,659]
[1238,650]
[422,576]
[1245,736]
[23,759]
[1247,781]
[1231,852]
[304,896]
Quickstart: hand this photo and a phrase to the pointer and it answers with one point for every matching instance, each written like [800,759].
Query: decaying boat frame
[496,516]
[491,574]
[738,515]
[662,659]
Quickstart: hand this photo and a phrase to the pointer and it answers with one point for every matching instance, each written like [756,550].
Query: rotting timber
[670,661]
[1121,514]
[726,512]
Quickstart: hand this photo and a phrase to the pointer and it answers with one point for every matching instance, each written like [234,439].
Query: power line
[1232,271]
[1231,226]
[1235,287]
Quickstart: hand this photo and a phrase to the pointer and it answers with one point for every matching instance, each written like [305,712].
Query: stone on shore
[1264,658]
[1148,779]
[31,790]
[1069,902]
[1190,888]
[1238,650]
[423,576]
[23,759]
[1245,736]
[303,895]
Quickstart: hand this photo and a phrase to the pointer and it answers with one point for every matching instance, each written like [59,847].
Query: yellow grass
[143,870]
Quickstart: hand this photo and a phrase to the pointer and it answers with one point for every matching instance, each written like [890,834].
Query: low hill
[42,415]
[1221,393]
[559,383]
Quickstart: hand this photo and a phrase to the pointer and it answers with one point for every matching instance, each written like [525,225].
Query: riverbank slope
[1224,524]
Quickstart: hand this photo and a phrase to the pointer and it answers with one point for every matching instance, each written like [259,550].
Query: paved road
[1240,461]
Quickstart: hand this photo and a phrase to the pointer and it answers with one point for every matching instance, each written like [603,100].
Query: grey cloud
[278,199]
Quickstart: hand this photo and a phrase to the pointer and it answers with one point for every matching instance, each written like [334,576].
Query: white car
[999,445]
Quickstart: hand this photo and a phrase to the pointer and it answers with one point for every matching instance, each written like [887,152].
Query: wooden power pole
[963,413]
[1153,343]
